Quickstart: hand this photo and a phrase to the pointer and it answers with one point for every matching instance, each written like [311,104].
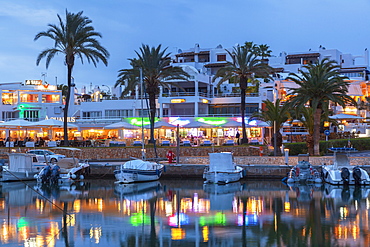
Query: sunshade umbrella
[161,125]
[197,124]
[231,124]
[121,125]
[16,124]
[343,116]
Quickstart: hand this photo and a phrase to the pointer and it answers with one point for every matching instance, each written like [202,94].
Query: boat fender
[164,168]
[297,171]
[345,174]
[357,175]
[157,172]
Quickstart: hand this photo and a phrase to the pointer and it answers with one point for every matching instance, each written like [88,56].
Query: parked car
[50,156]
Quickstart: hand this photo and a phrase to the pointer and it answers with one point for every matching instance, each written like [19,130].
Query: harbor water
[183,213]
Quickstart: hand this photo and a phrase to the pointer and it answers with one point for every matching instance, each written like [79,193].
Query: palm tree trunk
[316,131]
[153,109]
[243,87]
[68,98]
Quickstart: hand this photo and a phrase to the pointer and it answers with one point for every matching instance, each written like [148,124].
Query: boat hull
[17,176]
[333,175]
[220,177]
[134,175]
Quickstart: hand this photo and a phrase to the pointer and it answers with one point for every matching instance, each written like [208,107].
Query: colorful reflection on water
[183,213]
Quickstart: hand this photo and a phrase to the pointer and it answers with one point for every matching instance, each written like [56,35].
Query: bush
[301,147]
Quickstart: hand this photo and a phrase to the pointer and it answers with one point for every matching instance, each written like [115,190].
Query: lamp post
[286,154]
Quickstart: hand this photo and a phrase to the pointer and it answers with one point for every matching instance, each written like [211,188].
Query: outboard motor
[45,176]
[55,172]
[357,175]
[345,175]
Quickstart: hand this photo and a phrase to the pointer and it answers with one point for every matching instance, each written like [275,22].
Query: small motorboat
[21,167]
[303,172]
[222,169]
[62,171]
[341,172]
[138,171]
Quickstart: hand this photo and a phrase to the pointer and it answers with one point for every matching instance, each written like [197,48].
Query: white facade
[30,100]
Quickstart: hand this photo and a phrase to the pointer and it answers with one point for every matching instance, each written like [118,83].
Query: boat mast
[142,117]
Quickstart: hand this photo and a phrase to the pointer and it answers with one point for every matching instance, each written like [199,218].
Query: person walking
[237,137]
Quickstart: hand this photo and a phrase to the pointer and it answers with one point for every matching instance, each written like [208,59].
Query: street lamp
[286,154]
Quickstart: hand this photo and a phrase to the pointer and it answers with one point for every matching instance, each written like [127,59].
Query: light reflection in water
[140,215]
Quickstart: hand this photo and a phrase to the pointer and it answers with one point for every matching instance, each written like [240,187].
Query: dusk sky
[284,25]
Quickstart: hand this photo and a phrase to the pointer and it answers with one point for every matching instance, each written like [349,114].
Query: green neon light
[218,219]
[138,219]
[212,121]
[139,122]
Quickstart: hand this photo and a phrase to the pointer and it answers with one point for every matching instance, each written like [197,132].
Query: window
[9,98]
[91,114]
[31,115]
[221,57]
[118,113]
[30,98]
[50,98]
[9,115]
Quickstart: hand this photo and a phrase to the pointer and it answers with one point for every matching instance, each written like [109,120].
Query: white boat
[303,172]
[21,167]
[138,171]
[222,169]
[341,172]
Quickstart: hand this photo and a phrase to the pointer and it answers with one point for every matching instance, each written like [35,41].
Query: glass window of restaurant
[91,114]
[31,115]
[9,115]
[50,98]
[118,113]
[9,98]
[30,98]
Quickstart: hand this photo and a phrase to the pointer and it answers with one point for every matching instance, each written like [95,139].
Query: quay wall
[193,160]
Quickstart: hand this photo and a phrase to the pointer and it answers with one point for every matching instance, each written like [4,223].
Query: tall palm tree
[275,115]
[244,67]
[156,68]
[74,37]
[319,84]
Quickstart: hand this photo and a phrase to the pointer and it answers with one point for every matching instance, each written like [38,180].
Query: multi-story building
[30,100]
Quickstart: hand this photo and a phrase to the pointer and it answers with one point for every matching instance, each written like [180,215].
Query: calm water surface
[183,213]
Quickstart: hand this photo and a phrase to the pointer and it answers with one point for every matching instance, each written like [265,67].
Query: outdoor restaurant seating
[137,144]
[206,143]
[229,143]
[166,143]
[117,144]
[186,143]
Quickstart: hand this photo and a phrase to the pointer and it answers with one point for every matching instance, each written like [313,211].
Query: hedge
[301,147]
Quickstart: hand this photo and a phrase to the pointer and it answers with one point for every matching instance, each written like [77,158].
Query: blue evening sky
[284,25]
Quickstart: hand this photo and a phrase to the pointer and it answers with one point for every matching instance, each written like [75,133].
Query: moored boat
[303,172]
[342,172]
[21,167]
[138,171]
[222,169]
[66,169]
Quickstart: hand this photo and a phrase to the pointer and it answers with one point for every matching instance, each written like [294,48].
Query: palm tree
[275,115]
[244,67]
[155,66]
[320,83]
[74,37]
